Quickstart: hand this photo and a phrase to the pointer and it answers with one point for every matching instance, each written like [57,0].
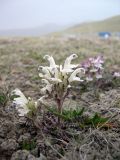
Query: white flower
[58,83]
[21,102]
[21,99]
[45,71]
[51,61]
[55,80]
[67,64]
[64,71]
[47,88]
[60,76]
[73,76]
[55,72]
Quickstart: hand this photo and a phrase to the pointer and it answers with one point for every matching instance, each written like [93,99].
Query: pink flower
[93,67]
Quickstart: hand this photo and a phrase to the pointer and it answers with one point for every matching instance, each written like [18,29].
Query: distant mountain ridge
[111,25]
[38,31]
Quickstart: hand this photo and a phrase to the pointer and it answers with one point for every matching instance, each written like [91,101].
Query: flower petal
[73,76]
[51,61]
[67,64]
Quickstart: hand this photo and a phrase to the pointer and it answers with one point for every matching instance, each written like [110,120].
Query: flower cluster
[58,79]
[93,68]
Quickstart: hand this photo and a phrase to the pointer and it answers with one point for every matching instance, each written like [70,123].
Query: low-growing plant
[97,120]
[59,79]
[32,108]
[3,99]
[76,118]
[4,96]
[28,145]
[68,115]
[93,68]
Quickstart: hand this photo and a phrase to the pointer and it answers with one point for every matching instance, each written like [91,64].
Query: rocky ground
[40,137]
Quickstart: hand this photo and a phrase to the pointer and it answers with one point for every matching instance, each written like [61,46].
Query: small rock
[22,120]
[5,128]
[25,137]
[35,152]
[25,155]
[31,157]
[42,157]
[1,140]
[20,155]
[8,146]
[102,95]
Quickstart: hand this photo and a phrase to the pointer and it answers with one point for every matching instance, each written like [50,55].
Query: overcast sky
[16,14]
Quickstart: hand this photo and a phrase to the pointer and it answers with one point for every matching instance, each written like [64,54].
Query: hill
[111,25]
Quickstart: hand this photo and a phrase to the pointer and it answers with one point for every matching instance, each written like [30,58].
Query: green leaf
[3,99]
[68,114]
[28,145]
[96,120]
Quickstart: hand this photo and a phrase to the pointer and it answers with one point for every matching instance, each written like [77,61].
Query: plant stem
[59,106]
